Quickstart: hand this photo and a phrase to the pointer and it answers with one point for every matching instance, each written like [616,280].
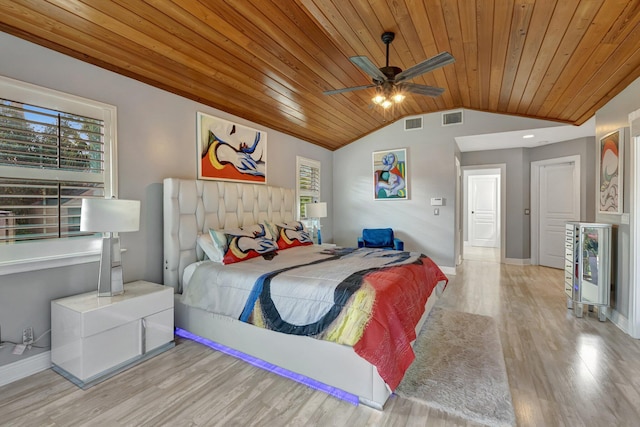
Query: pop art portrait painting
[610,172]
[390,175]
[230,152]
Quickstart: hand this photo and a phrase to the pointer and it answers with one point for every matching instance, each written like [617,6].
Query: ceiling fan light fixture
[390,82]
[398,97]
[378,99]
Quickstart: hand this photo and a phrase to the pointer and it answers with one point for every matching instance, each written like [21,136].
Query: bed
[349,365]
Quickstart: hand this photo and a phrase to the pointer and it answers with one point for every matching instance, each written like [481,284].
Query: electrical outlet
[27,336]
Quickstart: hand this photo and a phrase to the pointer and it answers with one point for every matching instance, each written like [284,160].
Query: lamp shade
[316,210]
[110,215]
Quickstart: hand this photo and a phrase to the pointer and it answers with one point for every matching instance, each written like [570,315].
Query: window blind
[308,180]
[49,161]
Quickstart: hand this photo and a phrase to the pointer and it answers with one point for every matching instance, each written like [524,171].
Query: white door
[483,204]
[558,204]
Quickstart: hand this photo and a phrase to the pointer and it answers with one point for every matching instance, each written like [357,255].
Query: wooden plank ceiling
[270,60]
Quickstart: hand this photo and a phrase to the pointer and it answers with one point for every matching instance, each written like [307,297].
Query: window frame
[40,254]
[303,161]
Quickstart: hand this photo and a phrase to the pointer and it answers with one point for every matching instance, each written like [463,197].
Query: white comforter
[302,295]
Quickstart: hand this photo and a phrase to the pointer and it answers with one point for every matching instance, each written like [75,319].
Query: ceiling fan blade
[365,64]
[422,89]
[347,89]
[425,66]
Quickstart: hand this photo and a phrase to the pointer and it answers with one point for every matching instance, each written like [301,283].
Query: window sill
[24,257]
[12,267]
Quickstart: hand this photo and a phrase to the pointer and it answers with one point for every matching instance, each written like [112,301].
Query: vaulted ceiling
[269,61]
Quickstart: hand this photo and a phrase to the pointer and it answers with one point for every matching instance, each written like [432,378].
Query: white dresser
[93,338]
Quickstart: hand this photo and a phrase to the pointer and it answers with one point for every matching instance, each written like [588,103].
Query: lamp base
[110,275]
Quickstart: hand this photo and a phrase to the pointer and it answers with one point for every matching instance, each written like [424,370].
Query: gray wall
[518,183]
[431,173]
[156,139]
[615,115]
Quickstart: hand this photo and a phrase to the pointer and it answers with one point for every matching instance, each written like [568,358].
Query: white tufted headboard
[192,207]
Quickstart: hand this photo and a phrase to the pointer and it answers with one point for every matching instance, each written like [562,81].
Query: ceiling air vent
[413,124]
[452,118]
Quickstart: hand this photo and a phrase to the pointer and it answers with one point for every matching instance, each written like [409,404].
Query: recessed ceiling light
[528,136]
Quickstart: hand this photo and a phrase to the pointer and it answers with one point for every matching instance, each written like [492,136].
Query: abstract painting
[610,171]
[390,175]
[230,152]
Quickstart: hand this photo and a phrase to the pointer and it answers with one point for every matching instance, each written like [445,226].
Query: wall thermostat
[437,201]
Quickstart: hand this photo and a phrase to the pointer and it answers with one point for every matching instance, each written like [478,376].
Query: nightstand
[94,338]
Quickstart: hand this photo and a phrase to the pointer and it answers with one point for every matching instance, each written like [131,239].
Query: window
[307,183]
[55,149]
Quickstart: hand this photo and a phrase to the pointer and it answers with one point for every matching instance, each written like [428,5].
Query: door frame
[634,233]
[502,205]
[634,228]
[535,198]
[458,218]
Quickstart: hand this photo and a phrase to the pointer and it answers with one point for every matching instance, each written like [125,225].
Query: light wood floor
[474,253]
[563,371]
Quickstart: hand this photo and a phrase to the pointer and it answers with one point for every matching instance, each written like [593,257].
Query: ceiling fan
[391,82]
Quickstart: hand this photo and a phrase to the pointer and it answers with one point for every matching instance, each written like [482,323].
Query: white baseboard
[517,261]
[449,271]
[620,321]
[23,368]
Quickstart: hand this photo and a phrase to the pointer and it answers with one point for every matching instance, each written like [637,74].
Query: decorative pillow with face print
[291,234]
[248,242]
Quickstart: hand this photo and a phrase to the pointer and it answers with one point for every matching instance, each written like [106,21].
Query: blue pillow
[378,237]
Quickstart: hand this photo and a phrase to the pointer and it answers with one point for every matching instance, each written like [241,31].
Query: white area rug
[460,369]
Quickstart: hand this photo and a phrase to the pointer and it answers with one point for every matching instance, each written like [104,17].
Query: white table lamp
[110,216]
[316,211]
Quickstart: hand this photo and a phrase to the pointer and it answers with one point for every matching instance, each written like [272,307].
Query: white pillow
[213,251]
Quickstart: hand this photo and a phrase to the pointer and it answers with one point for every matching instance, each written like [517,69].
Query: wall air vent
[452,118]
[413,124]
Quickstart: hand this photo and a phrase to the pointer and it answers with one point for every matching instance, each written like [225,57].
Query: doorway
[483,222]
[555,199]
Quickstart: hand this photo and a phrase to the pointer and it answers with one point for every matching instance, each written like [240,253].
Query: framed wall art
[390,175]
[230,152]
[610,161]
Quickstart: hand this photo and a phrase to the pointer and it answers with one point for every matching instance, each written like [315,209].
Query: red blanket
[386,341]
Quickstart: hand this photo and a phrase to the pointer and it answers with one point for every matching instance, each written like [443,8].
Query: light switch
[436,211]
